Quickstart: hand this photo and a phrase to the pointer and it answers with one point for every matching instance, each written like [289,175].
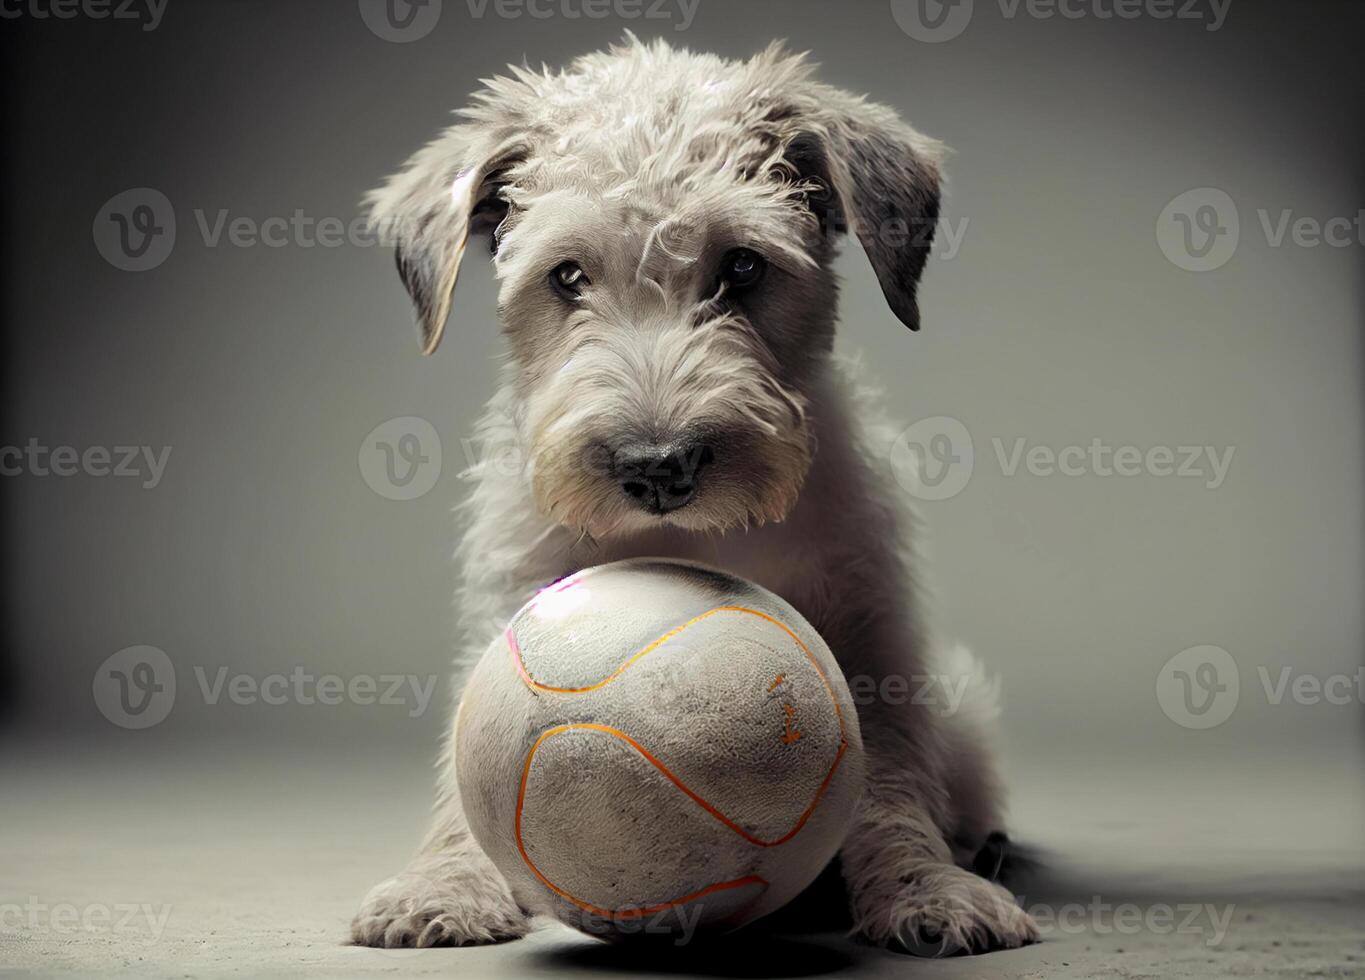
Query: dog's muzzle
[661,479]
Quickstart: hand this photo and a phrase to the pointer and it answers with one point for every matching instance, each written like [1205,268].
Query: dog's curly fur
[645,165]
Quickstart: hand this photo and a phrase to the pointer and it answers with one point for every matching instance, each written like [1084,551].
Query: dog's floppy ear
[877,177]
[449,190]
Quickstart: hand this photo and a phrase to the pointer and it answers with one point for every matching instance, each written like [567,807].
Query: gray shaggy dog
[663,225]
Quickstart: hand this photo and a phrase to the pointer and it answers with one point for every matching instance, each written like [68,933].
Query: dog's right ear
[448,190]
[868,173]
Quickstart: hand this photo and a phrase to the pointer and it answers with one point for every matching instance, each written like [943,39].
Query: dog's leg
[905,890]
[449,895]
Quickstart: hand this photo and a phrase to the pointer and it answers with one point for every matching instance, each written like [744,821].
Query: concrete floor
[194,861]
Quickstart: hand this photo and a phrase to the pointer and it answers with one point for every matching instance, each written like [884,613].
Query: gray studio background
[1058,319]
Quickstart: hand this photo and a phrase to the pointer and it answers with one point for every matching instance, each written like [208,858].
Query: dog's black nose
[662,478]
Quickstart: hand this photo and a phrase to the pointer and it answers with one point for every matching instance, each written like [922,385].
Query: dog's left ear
[875,176]
[448,190]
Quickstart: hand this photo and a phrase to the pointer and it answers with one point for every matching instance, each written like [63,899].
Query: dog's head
[662,224]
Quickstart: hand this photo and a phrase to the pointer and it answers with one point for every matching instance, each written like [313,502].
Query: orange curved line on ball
[626,913]
[530,681]
[514,649]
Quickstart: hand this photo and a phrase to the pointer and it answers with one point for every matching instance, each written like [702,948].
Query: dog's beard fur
[714,380]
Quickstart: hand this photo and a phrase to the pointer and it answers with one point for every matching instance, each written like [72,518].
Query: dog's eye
[568,280]
[742,267]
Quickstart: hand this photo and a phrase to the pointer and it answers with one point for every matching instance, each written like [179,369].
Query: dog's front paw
[942,910]
[442,907]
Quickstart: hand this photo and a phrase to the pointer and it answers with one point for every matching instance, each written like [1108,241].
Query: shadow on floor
[752,956]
